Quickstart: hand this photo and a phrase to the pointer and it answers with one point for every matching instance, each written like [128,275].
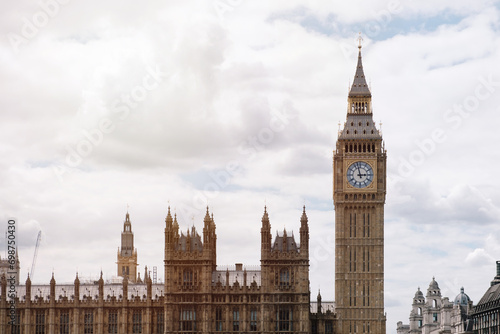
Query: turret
[28,290]
[208,231]
[101,287]
[149,284]
[416,314]
[77,288]
[319,301]
[127,245]
[169,231]
[168,220]
[304,233]
[125,290]
[52,289]
[265,233]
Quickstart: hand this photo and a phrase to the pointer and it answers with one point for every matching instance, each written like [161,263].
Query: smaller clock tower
[359,169]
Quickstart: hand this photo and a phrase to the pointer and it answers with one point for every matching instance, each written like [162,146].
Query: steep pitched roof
[490,299]
[359,87]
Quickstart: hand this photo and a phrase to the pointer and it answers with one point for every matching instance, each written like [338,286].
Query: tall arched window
[187,277]
[284,277]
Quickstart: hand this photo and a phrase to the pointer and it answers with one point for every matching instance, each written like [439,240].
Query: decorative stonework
[359,198]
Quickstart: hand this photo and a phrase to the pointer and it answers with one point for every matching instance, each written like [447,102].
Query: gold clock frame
[371,187]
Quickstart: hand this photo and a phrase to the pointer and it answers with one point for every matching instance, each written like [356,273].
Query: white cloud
[226,75]
[478,257]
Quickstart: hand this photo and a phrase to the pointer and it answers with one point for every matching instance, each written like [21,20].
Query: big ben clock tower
[359,186]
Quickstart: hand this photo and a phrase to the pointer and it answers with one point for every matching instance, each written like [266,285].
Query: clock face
[360,174]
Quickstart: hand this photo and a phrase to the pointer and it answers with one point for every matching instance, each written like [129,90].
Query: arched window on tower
[284,277]
[187,278]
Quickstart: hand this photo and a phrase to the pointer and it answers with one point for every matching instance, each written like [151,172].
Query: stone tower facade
[189,263]
[285,278]
[359,188]
[127,254]
[202,298]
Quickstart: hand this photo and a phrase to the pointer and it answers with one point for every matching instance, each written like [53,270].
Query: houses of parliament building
[200,297]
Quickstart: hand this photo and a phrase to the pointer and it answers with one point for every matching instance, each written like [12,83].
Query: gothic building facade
[198,296]
[201,298]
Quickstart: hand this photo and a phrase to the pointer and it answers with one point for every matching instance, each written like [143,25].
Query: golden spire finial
[360,40]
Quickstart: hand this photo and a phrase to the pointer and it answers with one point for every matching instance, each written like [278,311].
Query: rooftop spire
[265,219]
[168,219]
[127,225]
[359,87]
[303,219]
[176,224]
[207,219]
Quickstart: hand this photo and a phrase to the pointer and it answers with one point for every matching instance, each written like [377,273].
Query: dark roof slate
[490,299]
[360,126]
[359,86]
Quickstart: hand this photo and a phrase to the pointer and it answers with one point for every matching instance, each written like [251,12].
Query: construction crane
[38,239]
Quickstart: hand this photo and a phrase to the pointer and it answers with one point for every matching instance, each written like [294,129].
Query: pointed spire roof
[207,219]
[176,224]
[359,87]
[168,219]
[303,219]
[127,225]
[265,219]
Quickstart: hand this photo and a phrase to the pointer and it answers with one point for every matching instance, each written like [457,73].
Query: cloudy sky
[237,104]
